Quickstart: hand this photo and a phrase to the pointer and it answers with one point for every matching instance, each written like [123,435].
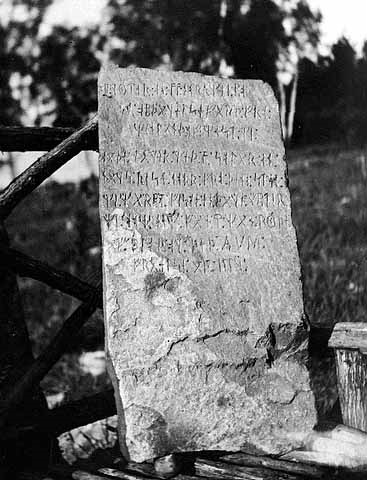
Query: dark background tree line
[322,98]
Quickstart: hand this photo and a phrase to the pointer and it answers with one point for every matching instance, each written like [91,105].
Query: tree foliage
[333,97]
[66,73]
[183,34]
[19,24]
[255,34]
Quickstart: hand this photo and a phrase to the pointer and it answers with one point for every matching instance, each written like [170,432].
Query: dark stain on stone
[181,437]
[248,373]
[171,284]
[153,281]
[223,401]
[255,369]
[252,449]
[199,304]
[244,304]
[158,422]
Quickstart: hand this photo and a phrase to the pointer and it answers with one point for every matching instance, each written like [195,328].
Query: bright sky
[75,11]
[341,17]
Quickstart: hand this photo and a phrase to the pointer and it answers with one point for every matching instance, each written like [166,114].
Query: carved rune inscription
[200,262]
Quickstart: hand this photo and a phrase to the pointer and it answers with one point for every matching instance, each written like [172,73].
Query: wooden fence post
[350,343]
[15,352]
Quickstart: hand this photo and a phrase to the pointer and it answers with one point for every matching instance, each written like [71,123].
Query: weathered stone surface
[203,298]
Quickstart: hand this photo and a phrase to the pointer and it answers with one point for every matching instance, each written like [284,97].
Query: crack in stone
[239,333]
[219,364]
[169,347]
[180,340]
[117,307]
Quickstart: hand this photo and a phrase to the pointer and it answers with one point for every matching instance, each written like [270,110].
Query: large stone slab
[203,298]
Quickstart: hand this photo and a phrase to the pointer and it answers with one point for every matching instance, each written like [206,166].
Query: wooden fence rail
[39,139]
[26,266]
[44,167]
[68,416]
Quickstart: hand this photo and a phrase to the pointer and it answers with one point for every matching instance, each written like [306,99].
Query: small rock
[168,466]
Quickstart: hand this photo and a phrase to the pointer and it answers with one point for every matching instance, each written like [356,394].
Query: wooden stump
[350,343]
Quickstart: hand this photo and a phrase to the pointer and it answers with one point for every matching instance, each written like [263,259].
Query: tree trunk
[15,354]
[292,107]
[283,107]
[12,169]
[223,7]
[89,162]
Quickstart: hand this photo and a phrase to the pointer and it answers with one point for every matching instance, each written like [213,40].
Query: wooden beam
[247,460]
[67,417]
[349,335]
[83,475]
[16,350]
[225,471]
[13,396]
[39,139]
[216,469]
[45,166]
[26,266]
[114,473]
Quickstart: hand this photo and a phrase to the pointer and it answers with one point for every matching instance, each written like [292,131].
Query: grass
[329,197]
[59,224]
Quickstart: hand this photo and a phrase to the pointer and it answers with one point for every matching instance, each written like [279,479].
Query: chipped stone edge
[121,431]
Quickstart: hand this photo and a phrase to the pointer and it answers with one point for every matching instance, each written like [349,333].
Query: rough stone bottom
[168,409]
